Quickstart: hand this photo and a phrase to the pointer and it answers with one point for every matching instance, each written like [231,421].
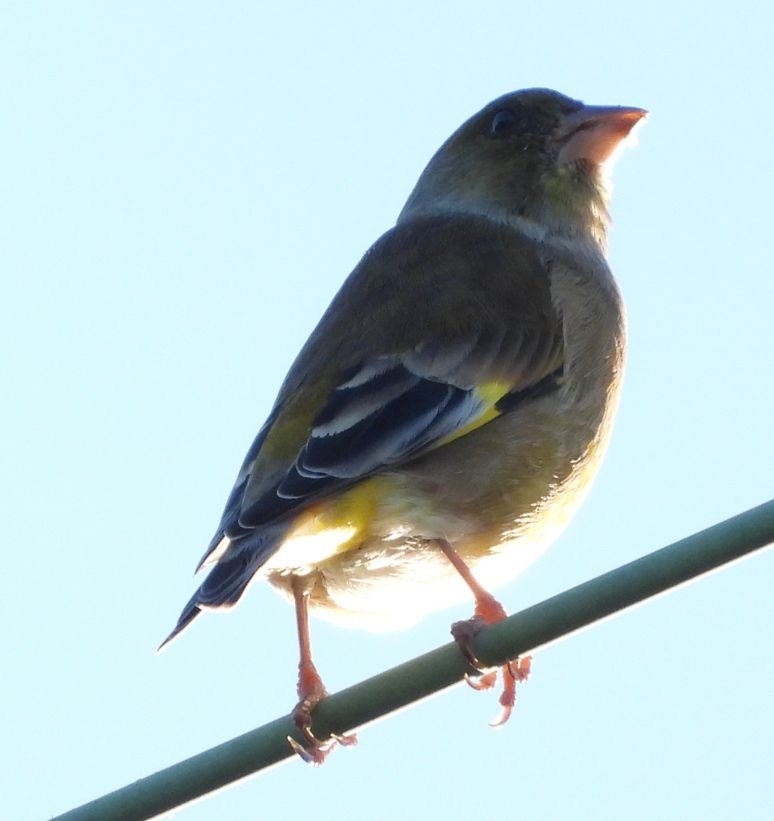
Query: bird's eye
[502,122]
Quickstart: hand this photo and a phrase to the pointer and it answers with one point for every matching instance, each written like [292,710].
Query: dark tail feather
[190,612]
[228,580]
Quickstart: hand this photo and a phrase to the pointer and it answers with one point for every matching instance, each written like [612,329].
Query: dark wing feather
[401,363]
[417,363]
[380,415]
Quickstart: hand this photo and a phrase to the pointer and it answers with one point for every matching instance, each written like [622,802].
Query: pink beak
[594,132]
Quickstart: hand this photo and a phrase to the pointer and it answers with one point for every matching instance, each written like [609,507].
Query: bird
[447,415]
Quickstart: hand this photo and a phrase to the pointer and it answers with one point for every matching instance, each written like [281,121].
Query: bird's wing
[446,324]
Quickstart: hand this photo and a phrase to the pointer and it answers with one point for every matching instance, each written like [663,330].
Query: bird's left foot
[315,751]
[311,692]
[490,611]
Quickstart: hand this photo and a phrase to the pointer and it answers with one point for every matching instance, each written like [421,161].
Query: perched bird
[448,413]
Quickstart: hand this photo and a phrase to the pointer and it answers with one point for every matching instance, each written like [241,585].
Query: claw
[316,751]
[502,719]
[513,671]
[507,697]
[313,754]
[484,682]
[522,668]
[345,740]
[463,632]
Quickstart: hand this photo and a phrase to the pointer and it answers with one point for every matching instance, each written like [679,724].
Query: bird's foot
[489,611]
[315,751]
[513,671]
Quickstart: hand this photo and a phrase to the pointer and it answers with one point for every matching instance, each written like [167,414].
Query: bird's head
[533,157]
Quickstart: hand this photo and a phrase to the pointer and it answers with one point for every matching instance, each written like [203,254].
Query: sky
[185,187]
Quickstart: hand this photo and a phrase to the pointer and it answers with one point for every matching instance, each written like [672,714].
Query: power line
[363,703]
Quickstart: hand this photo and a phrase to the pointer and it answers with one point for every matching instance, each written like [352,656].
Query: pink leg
[311,690]
[487,611]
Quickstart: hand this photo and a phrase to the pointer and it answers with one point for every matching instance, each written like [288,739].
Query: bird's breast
[500,494]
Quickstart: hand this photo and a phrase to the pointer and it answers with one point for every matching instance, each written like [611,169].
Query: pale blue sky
[185,186]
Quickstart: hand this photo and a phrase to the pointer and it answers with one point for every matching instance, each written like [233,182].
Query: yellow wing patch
[490,393]
[331,526]
[341,522]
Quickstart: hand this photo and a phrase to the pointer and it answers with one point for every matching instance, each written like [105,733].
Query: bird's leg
[487,611]
[311,690]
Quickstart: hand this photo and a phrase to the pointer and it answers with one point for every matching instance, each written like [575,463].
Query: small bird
[448,413]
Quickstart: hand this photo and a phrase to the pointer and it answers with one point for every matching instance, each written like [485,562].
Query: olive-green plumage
[399,299]
[461,386]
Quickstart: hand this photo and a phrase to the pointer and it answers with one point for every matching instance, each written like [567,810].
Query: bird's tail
[228,580]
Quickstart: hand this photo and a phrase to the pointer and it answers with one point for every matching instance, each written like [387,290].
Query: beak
[595,132]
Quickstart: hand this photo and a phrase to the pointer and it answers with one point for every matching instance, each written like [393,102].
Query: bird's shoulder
[442,319]
[432,278]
